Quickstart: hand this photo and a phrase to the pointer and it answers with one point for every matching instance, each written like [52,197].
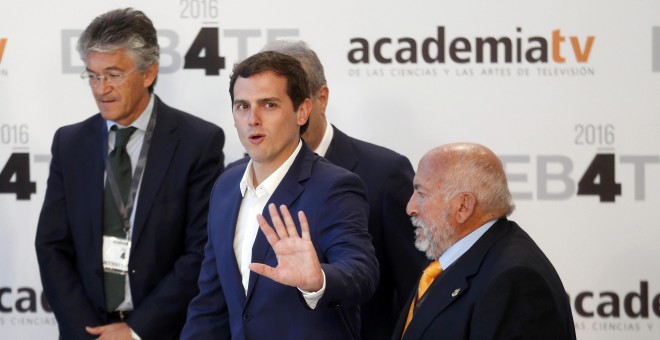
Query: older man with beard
[488,280]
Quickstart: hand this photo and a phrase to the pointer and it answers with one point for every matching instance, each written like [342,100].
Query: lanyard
[125,210]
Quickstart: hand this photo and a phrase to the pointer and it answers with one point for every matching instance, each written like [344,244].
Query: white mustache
[416,222]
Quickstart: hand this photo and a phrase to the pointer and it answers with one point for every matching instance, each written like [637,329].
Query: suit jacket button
[246,317]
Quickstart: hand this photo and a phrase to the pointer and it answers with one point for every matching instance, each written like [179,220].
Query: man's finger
[277,221]
[263,270]
[94,330]
[270,234]
[304,226]
[288,221]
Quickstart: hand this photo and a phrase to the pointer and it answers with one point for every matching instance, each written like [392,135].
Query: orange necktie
[430,273]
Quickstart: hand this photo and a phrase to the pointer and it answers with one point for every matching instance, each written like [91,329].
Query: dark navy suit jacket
[504,287]
[334,202]
[169,228]
[388,178]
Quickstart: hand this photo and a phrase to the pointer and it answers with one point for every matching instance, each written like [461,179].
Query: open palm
[297,263]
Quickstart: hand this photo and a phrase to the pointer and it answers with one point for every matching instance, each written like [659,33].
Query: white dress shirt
[324,145]
[253,203]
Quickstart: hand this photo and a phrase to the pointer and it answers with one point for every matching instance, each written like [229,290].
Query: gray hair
[126,29]
[307,57]
[472,172]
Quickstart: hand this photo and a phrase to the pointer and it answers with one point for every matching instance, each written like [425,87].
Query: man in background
[388,178]
[267,276]
[488,280]
[123,226]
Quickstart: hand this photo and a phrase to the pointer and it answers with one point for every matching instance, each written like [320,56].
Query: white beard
[436,238]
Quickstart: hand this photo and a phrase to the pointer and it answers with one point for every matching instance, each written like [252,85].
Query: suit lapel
[444,290]
[161,153]
[341,151]
[286,193]
[229,203]
[93,152]
[453,282]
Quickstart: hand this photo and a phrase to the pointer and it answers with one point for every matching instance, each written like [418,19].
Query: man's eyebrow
[111,68]
[269,99]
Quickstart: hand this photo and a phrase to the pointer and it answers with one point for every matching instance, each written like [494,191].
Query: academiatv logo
[553,47]
[3,43]
[25,307]
[608,311]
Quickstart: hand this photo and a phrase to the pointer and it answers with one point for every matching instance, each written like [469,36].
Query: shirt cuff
[312,298]
[134,335]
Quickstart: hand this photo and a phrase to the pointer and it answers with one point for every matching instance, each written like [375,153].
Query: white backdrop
[577,102]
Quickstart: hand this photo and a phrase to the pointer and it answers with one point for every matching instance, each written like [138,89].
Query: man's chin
[422,245]
[109,115]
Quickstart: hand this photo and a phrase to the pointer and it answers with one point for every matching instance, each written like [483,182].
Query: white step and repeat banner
[566,92]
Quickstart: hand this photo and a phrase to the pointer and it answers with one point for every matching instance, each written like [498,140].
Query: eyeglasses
[112,78]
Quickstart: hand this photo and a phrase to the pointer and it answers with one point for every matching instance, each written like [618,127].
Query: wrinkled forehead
[431,172]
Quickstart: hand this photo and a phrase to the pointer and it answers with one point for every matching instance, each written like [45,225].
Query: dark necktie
[120,163]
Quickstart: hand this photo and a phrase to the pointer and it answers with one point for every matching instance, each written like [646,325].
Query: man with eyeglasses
[121,233]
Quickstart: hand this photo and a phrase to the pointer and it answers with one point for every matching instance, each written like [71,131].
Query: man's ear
[150,75]
[304,110]
[323,95]
[467,202]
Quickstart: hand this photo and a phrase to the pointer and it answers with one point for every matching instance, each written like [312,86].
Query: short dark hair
[297,85]
[118,29]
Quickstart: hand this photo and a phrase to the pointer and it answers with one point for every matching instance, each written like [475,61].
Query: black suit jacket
[388,178]
[504,287]
[169,230]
